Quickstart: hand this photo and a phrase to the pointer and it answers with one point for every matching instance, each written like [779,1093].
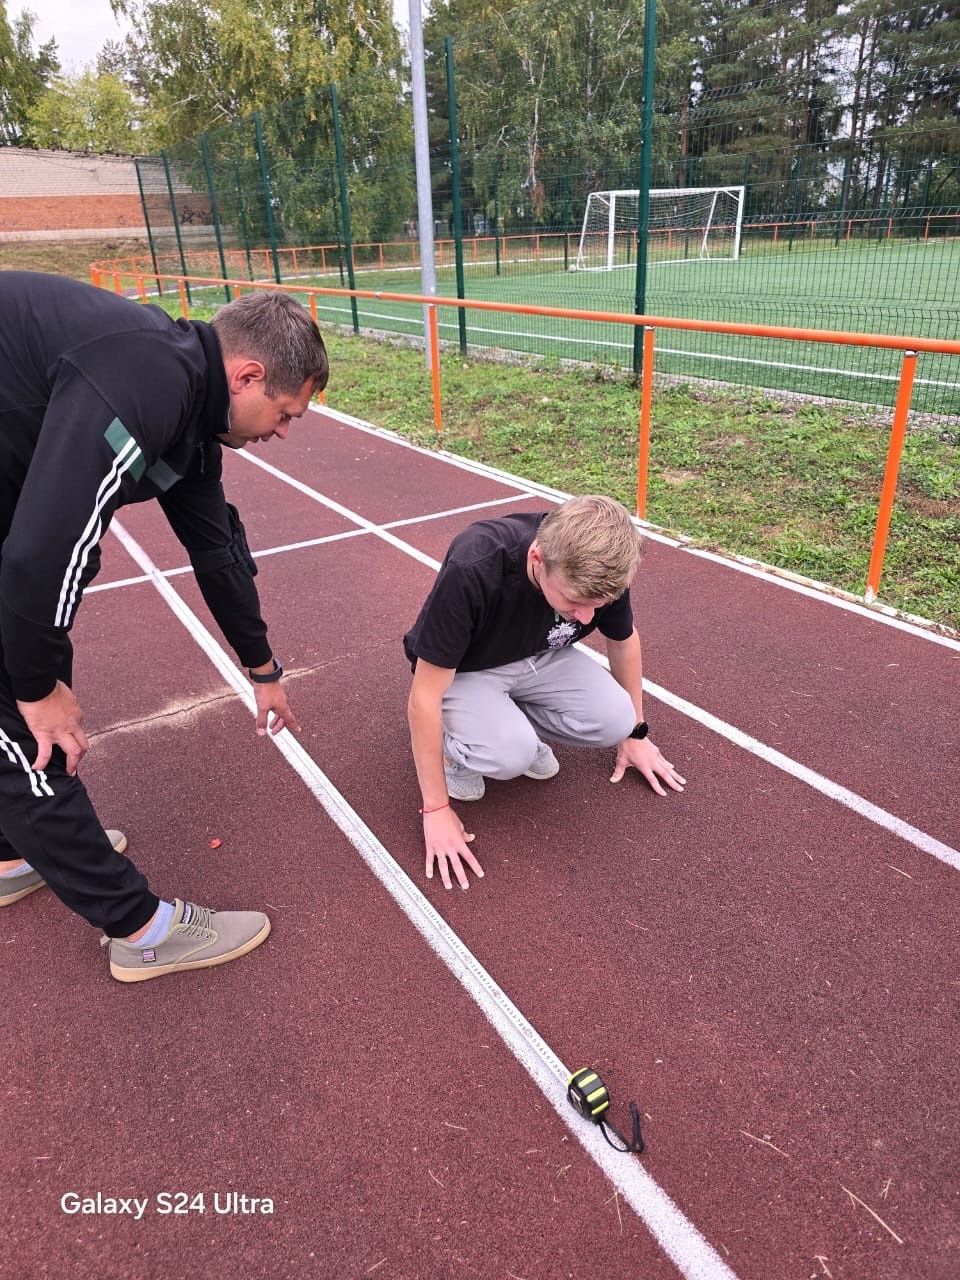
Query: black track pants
[47,818]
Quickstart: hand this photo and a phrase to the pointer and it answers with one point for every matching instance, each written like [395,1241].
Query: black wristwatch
[270,677]
[640,730]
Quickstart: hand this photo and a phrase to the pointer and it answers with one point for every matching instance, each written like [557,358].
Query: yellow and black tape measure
[587,1092]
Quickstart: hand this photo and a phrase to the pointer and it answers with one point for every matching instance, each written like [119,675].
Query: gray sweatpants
[493,719]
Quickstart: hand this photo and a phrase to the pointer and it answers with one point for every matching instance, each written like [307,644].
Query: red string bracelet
[437,809]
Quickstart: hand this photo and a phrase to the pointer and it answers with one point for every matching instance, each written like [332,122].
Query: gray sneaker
[13,888]
[463,783]
[199,938]
[545,764]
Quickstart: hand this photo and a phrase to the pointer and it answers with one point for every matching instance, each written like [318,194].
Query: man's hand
[54,721]
[271,697]
[643,755]
[446,841]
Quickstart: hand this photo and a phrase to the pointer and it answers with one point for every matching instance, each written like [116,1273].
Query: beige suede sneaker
[198,938]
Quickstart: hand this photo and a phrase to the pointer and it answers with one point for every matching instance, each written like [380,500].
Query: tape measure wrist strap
[587,1092]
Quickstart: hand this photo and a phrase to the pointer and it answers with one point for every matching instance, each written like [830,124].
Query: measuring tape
[591,1097]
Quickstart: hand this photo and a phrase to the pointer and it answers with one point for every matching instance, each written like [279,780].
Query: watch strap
[270,677]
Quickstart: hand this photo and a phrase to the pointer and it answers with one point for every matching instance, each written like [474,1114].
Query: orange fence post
[313,307]
[646,400]
[141,289]
[435,371]
[117,283]
[887,494]
[184,309]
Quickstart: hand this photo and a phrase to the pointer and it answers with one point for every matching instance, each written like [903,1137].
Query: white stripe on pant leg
[15,755]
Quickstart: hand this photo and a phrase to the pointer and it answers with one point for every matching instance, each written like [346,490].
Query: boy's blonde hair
[593,543]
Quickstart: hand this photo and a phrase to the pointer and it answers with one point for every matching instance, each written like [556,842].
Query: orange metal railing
[112,275]
[376,255]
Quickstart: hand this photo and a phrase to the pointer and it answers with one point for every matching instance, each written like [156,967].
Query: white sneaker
[463,783]
[545,764]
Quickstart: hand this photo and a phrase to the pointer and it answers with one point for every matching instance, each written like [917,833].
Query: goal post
[687,224]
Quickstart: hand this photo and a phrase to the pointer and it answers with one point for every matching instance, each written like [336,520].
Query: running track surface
[770,971]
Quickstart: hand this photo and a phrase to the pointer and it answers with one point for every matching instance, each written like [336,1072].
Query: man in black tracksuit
[105,402]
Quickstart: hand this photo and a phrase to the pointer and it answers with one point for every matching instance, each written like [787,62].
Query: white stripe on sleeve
[93,531]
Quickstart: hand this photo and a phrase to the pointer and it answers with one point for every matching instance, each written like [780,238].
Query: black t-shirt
[484,611]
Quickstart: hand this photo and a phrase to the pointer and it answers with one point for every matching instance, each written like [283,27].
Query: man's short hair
[593,543]
[276,330]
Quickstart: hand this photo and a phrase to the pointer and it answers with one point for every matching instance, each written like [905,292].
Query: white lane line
[313,542]
[455,511]
[693,1256]
[338,507]
[885,614]
[873,813]
[833,790]
[119,582]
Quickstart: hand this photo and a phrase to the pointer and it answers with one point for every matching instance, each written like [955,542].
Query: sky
[81,27]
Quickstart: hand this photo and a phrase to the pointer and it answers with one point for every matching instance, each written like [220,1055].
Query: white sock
[16,871]
[159,927]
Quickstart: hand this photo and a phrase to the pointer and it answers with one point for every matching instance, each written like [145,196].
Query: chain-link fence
[805,172]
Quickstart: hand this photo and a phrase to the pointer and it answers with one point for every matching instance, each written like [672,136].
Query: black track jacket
[104,402]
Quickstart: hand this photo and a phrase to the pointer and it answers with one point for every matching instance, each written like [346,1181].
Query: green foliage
[24,74]
[89,112]
[813,105]
[206,68]
[202,65]
[547,94]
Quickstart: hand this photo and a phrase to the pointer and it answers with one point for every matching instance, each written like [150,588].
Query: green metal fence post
[176,218]
[267,196]
[344,200]
[646,145]
[336,232]
[496,208]
[214,209]
[241,205]
[146,222]
[844,195]
[455,175]
[567,201]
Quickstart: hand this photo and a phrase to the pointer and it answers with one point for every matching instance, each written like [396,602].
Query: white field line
[873,813]
[504,334]
[692,1255]
[825,594]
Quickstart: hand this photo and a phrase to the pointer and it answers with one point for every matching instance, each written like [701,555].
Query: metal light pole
[421,141]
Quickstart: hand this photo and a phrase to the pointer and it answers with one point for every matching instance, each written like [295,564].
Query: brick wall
[44,194]
[72,213]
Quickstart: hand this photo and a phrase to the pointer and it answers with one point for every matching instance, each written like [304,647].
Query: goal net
[686,224]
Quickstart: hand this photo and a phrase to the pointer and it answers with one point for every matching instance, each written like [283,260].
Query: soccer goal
[686,225]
